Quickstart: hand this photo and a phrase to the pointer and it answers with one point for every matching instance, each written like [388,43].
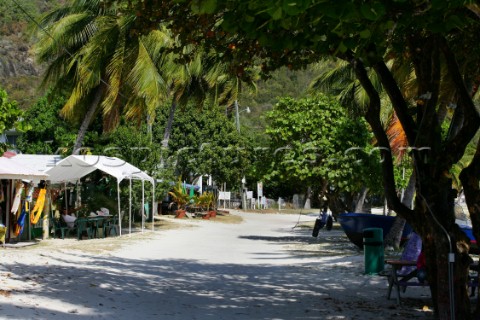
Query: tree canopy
[316,144]
[204,141]
[437,38]
[11,117]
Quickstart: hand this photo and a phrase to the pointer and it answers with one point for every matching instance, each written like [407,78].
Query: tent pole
[28,221]
[46,212]
[8,213]
[153,205]
[66,200]
[130,207]
[143,204]
[119,215]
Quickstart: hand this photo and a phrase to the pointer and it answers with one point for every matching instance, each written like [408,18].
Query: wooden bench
[402,281]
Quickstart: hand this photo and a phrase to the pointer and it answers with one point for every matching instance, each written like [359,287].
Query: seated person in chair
[69,219]
[421,267]
[69,216]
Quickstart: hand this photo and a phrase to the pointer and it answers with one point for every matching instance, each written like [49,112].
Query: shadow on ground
[120,288]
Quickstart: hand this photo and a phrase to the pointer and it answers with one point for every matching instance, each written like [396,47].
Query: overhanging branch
[397,99]
[373,118]
[457,144]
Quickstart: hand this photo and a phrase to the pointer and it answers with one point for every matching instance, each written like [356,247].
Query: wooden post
[46,214]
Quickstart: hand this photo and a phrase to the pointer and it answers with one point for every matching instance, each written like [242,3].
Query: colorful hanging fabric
[38,208]
[18,230]
[18,197]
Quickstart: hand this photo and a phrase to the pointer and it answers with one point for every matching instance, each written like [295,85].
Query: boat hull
[353,225]
[473,242]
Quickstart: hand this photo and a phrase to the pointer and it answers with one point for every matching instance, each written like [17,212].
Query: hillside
[19,74]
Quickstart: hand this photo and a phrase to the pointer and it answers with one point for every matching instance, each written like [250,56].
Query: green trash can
[373,250]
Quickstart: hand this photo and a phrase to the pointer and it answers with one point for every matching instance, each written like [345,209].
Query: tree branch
[470,177]
[373,118]
[456,145]
[397,99]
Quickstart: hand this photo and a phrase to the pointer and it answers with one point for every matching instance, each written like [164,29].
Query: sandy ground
[245,266]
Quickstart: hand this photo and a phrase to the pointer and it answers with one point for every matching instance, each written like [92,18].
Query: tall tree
[205,142]
[89,48]
[315,143]
[10,116]
[362,33]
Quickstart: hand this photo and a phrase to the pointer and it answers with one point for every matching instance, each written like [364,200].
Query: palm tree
[201,78]
[95,55]
[88,48]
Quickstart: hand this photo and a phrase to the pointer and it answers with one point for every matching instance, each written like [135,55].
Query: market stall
[75,167]
[16,187]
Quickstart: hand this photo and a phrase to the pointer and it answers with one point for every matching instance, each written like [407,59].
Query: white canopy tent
[72,168]
[75,167]
[38,162]
[12,169]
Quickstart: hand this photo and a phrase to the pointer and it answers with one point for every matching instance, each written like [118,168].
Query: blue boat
[354,223]
[473,242]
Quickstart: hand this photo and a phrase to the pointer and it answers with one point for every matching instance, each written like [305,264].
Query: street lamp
[237,121]
[237,114]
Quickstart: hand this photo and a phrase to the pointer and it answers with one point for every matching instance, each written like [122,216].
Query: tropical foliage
[11,117]
[314,143]
[437,38]
[206,201]
[204,141]
[50,133]
[179,196]
[10,114]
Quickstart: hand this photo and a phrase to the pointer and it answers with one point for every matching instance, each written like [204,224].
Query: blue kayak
[353,225]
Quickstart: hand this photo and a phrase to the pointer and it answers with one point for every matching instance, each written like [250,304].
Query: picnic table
[96,226]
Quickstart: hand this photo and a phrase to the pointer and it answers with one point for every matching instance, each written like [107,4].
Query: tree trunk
[434,206]
[470,178]
[433,202]
[433,217]
[361,200]
[308,199]
[336,205]
[394,236]
[87,120]
[168,127]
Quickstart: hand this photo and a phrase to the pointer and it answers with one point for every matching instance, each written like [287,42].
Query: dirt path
[259,267]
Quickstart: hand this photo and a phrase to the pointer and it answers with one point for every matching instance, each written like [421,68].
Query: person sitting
[69,219]
[421,267]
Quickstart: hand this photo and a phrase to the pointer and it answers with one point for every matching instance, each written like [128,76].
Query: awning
[75,167]
[11,169]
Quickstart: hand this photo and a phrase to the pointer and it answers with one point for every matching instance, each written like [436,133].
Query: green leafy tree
[11,117]
[50,133]
[131,144]
[316,144]
[95,53]
[366,34]
[10,114]
[204,141]
[89,50]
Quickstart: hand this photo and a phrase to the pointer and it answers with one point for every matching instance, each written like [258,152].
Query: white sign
[259,189]
[249,194]
[224,195]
